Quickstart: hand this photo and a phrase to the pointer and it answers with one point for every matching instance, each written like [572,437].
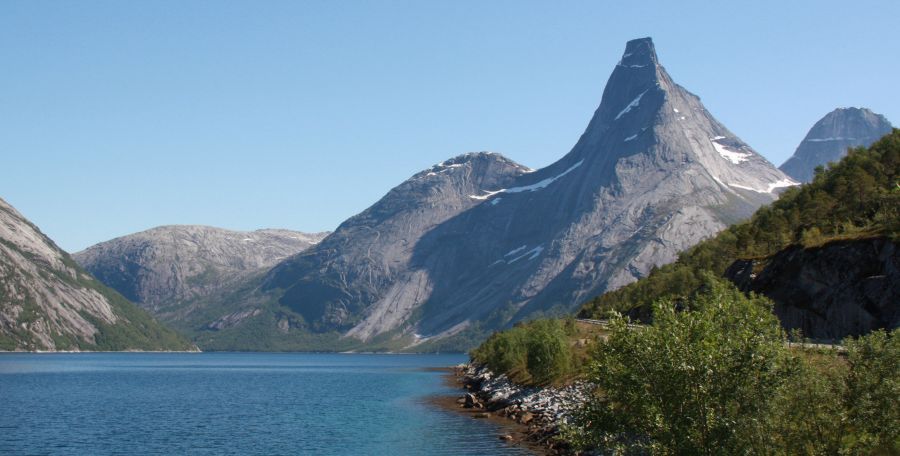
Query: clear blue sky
[117,116]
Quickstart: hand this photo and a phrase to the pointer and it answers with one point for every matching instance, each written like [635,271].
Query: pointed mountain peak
[644,116]
[639,53]
[638,80]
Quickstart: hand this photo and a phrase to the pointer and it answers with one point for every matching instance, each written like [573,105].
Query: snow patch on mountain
[534,253]
[730,155]
[838,138]
[529,188]
[634,103]
[516,250]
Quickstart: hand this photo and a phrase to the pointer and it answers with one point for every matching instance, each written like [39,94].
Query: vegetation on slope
[856,198]
[718,378]
[713,374]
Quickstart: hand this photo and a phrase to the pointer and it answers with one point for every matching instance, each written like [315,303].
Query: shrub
[696,382]
[549,355]
[872,398]
[538,352]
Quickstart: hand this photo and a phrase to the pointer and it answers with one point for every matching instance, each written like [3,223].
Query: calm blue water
[232,403]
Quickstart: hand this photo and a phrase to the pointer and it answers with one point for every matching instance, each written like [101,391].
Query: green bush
[538,352]
[808,417]
[696,382]
[872,397]
[549,353]
[504,352]
[718,378]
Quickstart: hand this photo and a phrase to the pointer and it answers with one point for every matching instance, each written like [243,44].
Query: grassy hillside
[856,198]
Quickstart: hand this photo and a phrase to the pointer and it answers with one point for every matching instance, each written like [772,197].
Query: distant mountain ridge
[163,269]
[48,302]
[828,140]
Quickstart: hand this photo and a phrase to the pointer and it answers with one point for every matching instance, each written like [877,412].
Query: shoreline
[510,431]
[530,417]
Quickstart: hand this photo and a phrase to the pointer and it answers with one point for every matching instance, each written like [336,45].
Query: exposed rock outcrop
[843,288]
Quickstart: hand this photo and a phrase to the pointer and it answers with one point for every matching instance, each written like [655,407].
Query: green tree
[549,351]
[698,381]
[504,352]
[809,412]
[872,398]
[538,352]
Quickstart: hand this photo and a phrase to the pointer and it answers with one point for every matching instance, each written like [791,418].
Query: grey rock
[165,269]
[480,239]
[829,139]
[235,318]
[48,302]
[363,271]
[844,288]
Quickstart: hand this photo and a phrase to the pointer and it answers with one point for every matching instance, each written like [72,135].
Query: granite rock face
[482,241]
[164,268]
[48,302]
[829,139]
[844,288]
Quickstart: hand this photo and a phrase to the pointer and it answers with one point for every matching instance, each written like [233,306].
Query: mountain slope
[165,269]
[829,139]
[47,302]
[653,174]
[368,257]
[825,253]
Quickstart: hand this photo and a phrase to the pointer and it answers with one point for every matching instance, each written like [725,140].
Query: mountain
[369,258]
[826,253]
[48,302]
[829,139]
[654,173]
[168,268]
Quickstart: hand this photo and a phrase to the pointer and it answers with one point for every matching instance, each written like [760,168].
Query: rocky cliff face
[653,173]
[829,139]
[844,288]
[164,268]
[48,302]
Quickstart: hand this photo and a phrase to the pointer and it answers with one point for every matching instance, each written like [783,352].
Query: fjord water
[233,403]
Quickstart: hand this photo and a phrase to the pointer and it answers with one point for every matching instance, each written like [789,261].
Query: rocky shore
[539,411]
